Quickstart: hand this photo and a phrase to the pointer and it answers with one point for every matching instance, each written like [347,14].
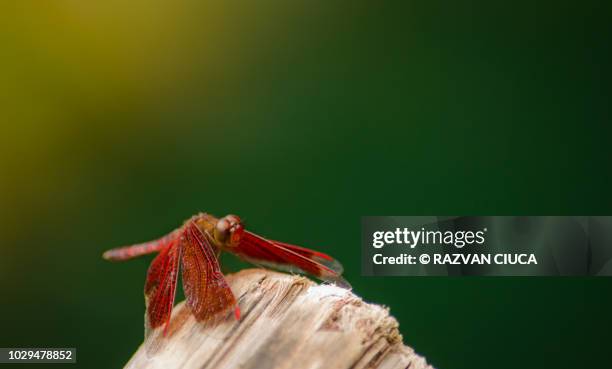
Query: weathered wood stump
[287,321]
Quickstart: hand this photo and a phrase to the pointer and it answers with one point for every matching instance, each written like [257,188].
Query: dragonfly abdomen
[132,251]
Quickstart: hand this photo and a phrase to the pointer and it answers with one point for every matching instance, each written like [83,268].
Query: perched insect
[195,247]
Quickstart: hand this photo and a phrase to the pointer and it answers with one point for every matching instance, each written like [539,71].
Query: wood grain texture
[287,322]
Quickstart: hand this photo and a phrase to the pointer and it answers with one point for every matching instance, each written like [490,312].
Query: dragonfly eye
[222,230]
[228,230]
[236,233]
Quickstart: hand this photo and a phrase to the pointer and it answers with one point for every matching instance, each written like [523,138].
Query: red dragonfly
[195,247]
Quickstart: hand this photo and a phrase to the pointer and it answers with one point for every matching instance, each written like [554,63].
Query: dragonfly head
[228,230]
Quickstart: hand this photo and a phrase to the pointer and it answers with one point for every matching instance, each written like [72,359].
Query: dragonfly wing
[283,256]
[160,287]
[316,256]
[206,289]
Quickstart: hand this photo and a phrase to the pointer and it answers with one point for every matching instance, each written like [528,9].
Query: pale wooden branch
[287,322]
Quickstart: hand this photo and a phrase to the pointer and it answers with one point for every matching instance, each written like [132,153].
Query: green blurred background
[121,119]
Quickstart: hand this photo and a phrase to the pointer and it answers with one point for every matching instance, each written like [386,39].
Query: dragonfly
[195,247]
